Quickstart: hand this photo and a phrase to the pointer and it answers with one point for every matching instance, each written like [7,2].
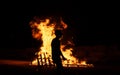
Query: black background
[90,27]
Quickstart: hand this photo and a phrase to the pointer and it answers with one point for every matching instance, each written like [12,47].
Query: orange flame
[44,29]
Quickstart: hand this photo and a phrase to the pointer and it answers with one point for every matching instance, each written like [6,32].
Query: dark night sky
[100,28]
[16,33]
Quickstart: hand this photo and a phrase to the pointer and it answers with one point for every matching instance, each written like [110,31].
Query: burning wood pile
[43,29]
[47,61]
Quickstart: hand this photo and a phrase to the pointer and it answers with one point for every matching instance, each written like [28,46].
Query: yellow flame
[67,53]
[44,29]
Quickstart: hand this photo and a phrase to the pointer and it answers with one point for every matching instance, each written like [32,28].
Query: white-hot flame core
[47,35]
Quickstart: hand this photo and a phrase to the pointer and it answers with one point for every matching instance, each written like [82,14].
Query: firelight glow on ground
[14,62]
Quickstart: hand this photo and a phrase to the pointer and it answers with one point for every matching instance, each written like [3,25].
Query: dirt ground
[33,70]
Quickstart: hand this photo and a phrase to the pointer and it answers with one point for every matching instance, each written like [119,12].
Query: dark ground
[22,70]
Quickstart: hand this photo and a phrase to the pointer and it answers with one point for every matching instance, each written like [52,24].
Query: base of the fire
[48,62]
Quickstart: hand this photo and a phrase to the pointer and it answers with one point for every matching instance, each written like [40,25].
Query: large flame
[44,29]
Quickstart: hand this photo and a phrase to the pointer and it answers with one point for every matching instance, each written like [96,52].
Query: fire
[44,29]
[83,62]
[67,53]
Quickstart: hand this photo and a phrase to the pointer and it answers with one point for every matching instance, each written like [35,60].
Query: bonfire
[43,29]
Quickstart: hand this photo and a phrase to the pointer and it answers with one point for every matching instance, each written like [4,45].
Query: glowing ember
[44,29]
[83,62]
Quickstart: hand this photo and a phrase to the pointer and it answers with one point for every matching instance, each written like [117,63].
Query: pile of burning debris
[47,61]
[43,29]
